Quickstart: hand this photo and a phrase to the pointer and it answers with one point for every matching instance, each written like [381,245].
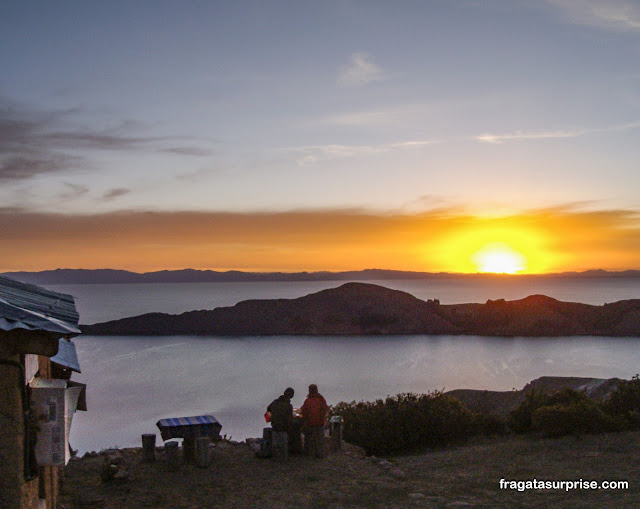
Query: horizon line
[329,271]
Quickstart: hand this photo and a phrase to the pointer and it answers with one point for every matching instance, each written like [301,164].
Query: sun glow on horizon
[499,258]
[510,245]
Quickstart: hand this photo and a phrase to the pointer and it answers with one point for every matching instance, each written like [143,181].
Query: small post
[173,456]
[266,450]
[279,445]
[202,452]
[336,433]
[149,447]
[189,449]
[295,437]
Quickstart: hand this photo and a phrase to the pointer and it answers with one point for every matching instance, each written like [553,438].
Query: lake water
[135,381]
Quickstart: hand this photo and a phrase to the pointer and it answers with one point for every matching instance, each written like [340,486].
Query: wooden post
[202,452]
[173,457]
[12,435]
[189,450]
[149,447]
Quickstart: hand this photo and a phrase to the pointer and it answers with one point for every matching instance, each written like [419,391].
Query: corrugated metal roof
[189,427]
[67,356]
[31,307]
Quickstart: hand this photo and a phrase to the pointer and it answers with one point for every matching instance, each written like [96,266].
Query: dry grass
[462,477]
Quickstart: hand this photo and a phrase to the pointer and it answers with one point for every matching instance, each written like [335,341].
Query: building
[38,398]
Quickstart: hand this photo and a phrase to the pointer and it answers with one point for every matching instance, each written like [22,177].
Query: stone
[121,475]
[280,445]
[398,473]
[113,455]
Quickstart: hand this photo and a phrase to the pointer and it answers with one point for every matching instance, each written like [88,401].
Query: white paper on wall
[55,405]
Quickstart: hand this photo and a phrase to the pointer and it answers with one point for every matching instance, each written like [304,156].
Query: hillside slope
[363,309]
[461,477]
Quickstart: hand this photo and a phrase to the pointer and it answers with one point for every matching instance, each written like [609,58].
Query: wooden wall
[15,492]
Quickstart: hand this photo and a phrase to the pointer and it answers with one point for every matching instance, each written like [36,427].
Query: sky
[432,135]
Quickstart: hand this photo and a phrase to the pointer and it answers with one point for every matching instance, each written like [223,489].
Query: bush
[489,425]
[562,413]
[521,419]
[409,422]
[624,402]
[572,419]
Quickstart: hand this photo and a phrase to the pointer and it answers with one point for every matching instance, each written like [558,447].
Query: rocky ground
[466,476]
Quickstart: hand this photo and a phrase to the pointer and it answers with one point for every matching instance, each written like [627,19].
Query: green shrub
[624,402]
[561,413]
[409,422]
[489,425]
[573,419]
[521,419]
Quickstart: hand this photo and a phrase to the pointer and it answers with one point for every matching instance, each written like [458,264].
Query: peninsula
[368,309]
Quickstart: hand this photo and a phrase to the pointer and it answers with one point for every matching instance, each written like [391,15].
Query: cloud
[115,193]
[313,154]
[573,237]
[197,175]
[187,151]
[32,163]
[360,71]
[622,15]
[364,118]
[73,191]
[552,134]
[521,135]
[34,142]
[397,115]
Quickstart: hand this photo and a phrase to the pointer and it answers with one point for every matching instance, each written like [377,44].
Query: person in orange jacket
[314,412]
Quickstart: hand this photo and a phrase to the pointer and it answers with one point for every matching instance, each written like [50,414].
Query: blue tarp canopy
[67,356]
[189,427]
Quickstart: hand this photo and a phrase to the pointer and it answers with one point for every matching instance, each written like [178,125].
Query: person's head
[313,389]
[288,393]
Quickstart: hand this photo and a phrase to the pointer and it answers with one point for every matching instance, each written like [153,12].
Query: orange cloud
[549,240]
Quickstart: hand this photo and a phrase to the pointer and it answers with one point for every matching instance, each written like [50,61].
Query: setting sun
[499,258]
[517,244]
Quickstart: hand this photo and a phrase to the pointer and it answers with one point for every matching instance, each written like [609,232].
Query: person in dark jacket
[281,412]
[314,416]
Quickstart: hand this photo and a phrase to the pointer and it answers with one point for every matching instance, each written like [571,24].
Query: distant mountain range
[112,276]
[367,309]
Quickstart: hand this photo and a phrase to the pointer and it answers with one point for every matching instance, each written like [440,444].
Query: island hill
[367,309]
